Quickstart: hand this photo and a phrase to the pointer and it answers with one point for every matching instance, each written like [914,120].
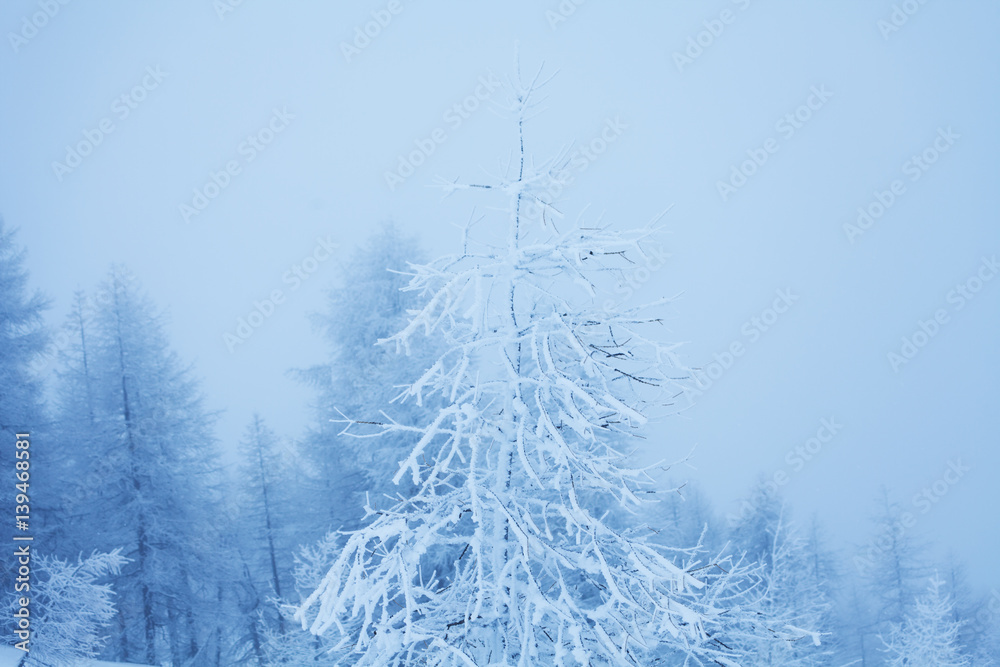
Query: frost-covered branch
[505,552]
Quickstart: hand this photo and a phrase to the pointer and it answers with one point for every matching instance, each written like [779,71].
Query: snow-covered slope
[10,656]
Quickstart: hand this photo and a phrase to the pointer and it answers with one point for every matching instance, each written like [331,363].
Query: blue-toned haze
[831,172]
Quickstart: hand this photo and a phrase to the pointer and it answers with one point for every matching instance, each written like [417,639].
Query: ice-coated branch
[510,550]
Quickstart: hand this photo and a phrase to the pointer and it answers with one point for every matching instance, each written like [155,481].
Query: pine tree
[683,517]
[754,529]
[22,340]
[826,574]
[541,391]
[891,568]
[928,635]
[794,594]
[982,637]
[858,645]
[73,468]
[266,501]
[360,378]
[139,455]
[70,609]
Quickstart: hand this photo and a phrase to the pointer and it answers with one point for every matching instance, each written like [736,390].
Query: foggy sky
[830,103]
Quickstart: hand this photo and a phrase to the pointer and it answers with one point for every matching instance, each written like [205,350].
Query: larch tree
[367,303]
[977,612]
[71,454]
[72,608]
[794,595]
[266,502]
[683,517]
[23,339]
[928,635]
[826,574]
[891,567]
[140,443]
[541,393]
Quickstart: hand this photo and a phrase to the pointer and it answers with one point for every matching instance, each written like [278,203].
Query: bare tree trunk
[267,523]
[149,622]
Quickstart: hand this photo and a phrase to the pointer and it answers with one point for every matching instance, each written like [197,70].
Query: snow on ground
[10,656]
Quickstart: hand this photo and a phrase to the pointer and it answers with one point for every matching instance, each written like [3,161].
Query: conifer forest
[569,334]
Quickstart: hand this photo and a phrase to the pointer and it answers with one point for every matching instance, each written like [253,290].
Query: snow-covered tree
[265,500]
[67,480]
[298,646]
[891,568]
[22,340]
[360,378]
[137,451]
[976,612]
[266,503]
[541,392]
[928,635]
[825,572]
[71,610]
[854,626]
[753,529]
[795,593]
[683,517]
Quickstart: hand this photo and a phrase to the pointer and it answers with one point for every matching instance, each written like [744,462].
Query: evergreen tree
[70,609]
[854,623]
[928,635]
[73,467]
[826,574]
[139,453]
[360,378]
[890,567]
[266,504]
[266,501]
[794,592]
[754,530]
[22,340]
[683,517]
[540,388]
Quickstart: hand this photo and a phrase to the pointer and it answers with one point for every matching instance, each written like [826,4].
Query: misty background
[221,75]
